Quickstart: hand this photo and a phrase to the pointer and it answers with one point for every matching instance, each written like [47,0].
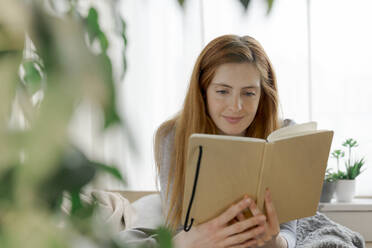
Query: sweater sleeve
[165,148]
[289,232]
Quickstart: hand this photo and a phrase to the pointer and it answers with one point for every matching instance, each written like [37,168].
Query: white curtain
[163,42]
[342,76]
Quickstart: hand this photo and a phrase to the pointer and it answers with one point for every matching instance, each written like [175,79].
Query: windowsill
[358,204]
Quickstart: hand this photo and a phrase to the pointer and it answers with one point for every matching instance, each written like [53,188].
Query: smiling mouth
[232,120]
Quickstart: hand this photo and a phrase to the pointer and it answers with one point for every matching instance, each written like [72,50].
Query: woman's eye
[222,92]
[249,94]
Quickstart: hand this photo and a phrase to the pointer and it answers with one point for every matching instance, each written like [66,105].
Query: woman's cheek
[218,106]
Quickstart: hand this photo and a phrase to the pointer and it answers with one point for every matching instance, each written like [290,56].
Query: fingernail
[262,218]
[267,192]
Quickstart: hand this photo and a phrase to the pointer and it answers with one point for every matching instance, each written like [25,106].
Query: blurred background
[320,50]
[84,84]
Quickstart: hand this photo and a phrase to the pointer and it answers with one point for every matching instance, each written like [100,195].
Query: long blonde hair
[194,117]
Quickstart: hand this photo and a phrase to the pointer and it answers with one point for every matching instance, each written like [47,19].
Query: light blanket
[321,232]
[317,231]
[135,224]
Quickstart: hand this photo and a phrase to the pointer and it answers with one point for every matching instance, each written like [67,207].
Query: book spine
[262,181]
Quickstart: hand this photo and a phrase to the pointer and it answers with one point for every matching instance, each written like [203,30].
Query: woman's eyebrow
[251,87]
[229,86]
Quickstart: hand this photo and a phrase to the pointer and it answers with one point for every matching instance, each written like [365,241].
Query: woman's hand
[218,232]
[270,236]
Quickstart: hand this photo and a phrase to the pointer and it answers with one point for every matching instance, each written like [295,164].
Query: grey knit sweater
[287,230]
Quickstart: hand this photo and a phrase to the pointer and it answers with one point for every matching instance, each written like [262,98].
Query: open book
[221,169]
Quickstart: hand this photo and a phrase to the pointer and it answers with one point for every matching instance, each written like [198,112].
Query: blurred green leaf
[269,6]
[8,184]
[110,110]
[43,39]
[181,2]
[9,67]
[76,169]
[73,172]
[76,204]
[103,41]
[92,25]
[125,41]
[32,77]
[8,52]
[80,209]
[81,213]
[245,4]
[164,237]
[94,30]
[111,116]
[110,170]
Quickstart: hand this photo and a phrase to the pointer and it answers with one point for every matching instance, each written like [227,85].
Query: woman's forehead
[241,75]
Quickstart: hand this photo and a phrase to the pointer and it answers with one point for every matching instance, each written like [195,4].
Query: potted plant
[331,178]
[329,186]
[345,187]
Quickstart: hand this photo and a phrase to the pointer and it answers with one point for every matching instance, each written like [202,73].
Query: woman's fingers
[240,217]
[254,209]
[244,232]
[272,227]
[241,226]
[271,213]
[232,212]
[248,243]
[255,212]
[242,236]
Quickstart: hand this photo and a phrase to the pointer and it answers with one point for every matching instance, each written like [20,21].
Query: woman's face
[233,97]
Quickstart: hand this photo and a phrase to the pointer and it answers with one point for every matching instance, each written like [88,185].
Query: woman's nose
[236,103]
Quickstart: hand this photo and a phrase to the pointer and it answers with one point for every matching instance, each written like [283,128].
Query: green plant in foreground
[38,164]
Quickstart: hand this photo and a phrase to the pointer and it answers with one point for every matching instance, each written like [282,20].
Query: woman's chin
[234,132]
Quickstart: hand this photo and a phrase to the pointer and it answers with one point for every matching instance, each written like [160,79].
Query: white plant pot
[345,190]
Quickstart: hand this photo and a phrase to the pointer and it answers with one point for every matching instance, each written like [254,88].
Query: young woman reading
[232,91]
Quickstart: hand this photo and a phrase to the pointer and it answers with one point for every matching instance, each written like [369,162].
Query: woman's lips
[232,120]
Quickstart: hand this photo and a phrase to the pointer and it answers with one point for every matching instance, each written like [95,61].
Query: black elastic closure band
[186,227]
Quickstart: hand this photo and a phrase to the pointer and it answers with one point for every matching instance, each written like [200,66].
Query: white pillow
[149,212]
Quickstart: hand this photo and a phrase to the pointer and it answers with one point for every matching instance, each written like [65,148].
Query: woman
[232,91]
